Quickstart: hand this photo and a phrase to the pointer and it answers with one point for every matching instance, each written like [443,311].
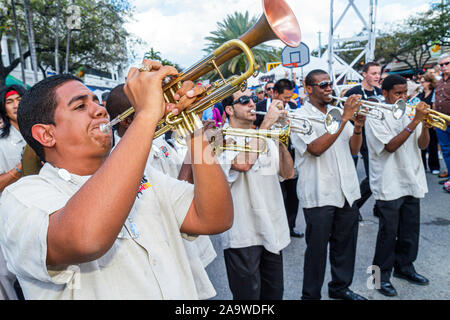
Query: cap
[259,90]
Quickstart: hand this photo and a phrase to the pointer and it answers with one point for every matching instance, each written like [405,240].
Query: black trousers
[289,189]
[339,228]
[254,273]
[433,159]
[398,236]
[364,185]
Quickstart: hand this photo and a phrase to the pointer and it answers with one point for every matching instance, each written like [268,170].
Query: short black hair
[105,95]
[283,84]
[370,64]
[6,121]
[310,77]
[228,101]
[38,105]
[390,81]
[117,102]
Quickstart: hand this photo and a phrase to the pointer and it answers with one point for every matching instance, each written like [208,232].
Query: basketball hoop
[291,65]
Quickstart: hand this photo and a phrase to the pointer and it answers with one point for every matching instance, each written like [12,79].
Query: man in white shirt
[168,160]
[89,226]
[328,188]
[397,180]
[254,244]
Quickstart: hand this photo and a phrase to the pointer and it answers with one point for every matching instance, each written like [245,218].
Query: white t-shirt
[147,260]
[397,174]
[331,178]
[259,213]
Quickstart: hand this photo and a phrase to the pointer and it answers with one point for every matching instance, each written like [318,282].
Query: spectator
[428,82]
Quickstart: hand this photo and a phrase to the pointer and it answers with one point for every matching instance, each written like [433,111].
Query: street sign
[272,65]
[295,57]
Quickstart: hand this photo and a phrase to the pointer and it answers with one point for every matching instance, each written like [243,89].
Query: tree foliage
[232,27]
[410,41]
[100,40]
[156,55]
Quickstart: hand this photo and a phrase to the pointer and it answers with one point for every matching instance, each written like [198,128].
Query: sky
[177,28]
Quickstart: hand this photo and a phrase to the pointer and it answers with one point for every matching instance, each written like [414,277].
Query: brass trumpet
[281,135]
[331,121]
[435,119]
[373,109]
[277,22]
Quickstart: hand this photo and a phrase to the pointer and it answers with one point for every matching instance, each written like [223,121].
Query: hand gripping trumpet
[331,121]
[374,109]
[277,22]
[434,118]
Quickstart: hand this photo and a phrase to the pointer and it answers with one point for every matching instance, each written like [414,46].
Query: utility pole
[320,44]
[19,44]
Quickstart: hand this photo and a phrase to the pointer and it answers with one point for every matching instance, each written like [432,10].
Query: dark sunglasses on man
[444,64]
[245,100]
[323,84]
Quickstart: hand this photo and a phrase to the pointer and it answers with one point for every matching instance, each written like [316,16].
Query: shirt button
[153,262]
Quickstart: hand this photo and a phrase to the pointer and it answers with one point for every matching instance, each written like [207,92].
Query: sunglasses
[245,100]
[444,64]
[269,88]
[323,84]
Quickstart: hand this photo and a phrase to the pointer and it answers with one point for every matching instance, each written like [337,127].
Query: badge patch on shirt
[165,151]
[144,186]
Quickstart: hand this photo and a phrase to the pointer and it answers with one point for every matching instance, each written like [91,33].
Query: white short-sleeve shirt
[331,178]
[11,148]
[397,174]
[147,260]
[259,213]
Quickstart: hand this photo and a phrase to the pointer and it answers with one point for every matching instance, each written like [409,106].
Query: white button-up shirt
[397,174]
[331,178]
[200,251]
[259,213]
[11,148]
[147,260]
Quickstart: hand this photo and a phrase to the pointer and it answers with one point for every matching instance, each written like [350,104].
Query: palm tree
[232,27]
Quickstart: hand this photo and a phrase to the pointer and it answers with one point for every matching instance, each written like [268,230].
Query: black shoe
[414,278]
[387,289]
[296,234]
[345,294]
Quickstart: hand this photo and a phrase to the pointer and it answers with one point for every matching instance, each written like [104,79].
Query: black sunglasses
[323,84]
[245,99]
[444,64]
[269,88]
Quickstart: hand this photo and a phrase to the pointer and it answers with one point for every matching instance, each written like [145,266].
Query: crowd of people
[127,215]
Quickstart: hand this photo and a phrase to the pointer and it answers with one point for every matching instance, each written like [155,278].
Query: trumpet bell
[333,120]
[399,109]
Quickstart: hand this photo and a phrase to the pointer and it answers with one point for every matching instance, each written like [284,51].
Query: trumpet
[435,119]
[277,22]
[373,109]
[331,121]
[282,135]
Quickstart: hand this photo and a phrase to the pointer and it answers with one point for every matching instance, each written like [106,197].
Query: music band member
[88,226]
[253,246]
[328,188]
[168,160]
[283,90]
[397,180]
[369,91]
[11,148]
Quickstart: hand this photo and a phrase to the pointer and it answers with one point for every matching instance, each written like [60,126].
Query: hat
[259,90]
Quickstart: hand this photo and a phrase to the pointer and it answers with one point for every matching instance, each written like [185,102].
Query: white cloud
[177,28]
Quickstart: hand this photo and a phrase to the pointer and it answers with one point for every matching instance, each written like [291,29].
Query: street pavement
[433,259]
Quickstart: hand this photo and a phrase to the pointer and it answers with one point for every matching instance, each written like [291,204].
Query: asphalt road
[433,260]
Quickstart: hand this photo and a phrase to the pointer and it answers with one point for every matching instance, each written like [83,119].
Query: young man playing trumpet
[260,230]
[88,227]
[328,188]
[397,180]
